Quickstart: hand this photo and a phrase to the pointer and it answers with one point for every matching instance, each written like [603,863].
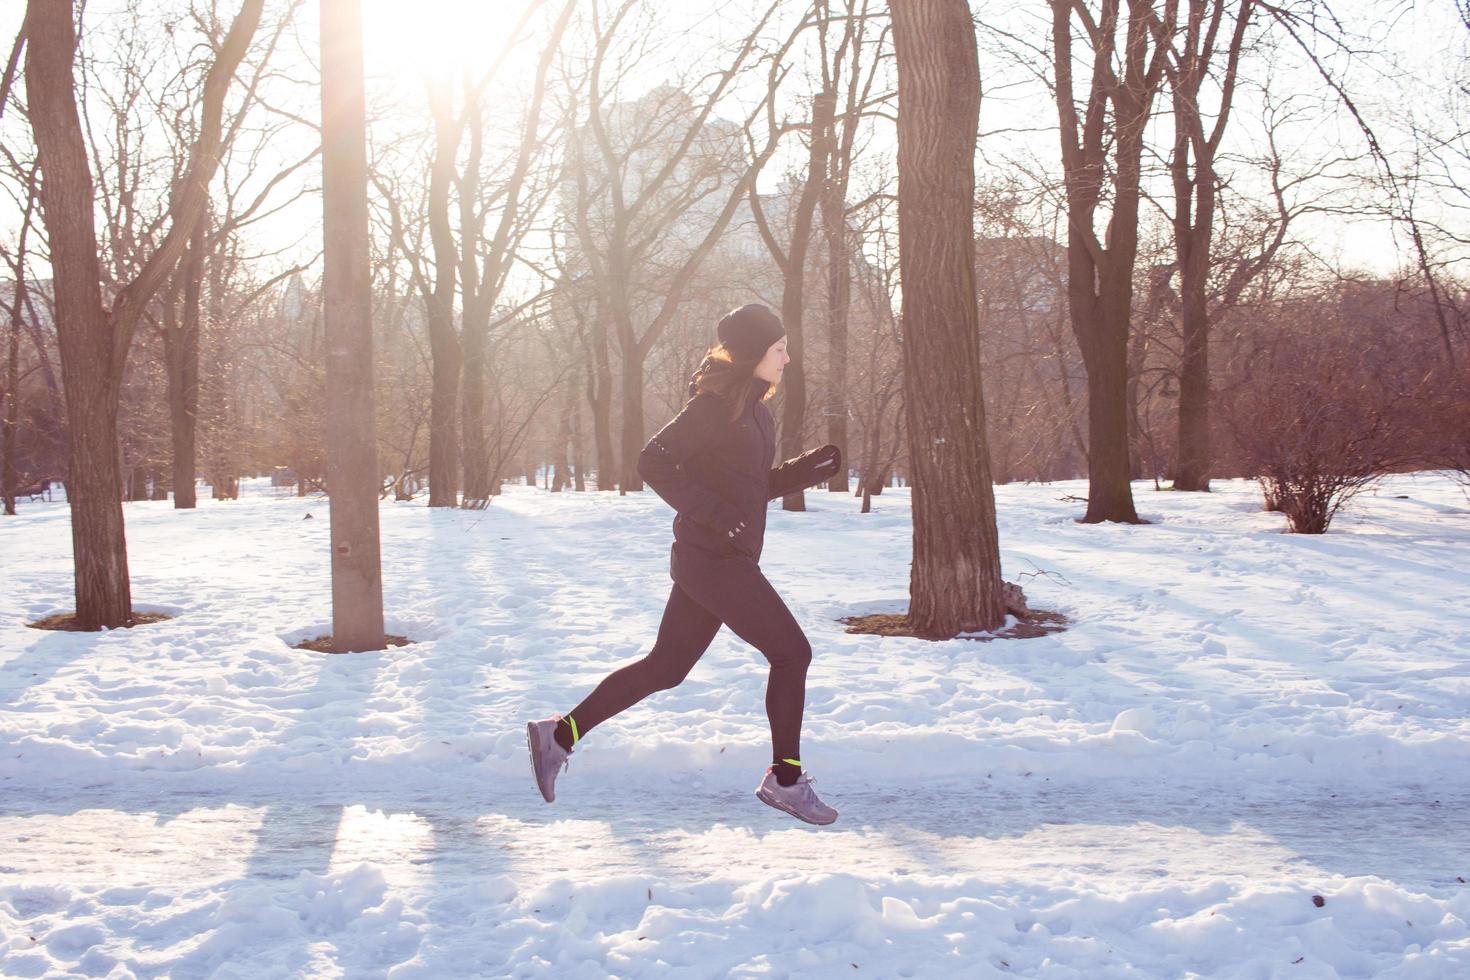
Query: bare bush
[1318,421]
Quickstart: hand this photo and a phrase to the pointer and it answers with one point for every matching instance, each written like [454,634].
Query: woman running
[712,465]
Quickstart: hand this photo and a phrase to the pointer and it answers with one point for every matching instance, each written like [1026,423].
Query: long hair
[732,380]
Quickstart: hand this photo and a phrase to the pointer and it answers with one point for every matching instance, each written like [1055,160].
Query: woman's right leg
[683,635]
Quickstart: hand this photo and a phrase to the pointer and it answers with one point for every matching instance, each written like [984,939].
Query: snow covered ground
[1238,721]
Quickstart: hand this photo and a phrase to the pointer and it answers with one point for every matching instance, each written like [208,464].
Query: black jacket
[715,472]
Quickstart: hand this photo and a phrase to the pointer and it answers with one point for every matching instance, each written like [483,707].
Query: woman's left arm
[811,467]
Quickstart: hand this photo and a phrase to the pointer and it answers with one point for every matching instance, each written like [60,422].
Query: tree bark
[955,583]
[222,459]
[85,333]
[633,438]
[12,402]
[475,312]
[793,263]
[839,302]
[444,342]
[472,420]
[1100,279]
[352,465]
[93,342]
[601,401]
[1195,198]
[561,474]
[578,466]
[181,344]
[481,290]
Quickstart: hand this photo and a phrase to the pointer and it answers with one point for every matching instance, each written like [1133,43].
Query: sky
[407,42]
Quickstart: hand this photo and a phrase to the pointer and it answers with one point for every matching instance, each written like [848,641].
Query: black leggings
[743,600]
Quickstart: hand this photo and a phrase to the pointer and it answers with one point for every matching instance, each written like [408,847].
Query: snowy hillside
[1239,720]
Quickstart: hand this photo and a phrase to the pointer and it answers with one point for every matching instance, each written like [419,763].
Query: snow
[1237,720]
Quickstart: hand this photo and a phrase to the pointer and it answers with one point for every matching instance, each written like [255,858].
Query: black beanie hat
[749,331]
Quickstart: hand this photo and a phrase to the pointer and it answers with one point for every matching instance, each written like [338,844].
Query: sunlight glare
[410,42]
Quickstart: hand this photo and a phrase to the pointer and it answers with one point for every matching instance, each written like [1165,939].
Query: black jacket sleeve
[661,464]
[793,475]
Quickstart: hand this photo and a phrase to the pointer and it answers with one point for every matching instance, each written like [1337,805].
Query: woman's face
[775,361]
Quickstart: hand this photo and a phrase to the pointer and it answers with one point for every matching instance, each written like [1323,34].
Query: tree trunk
[444,342]
[793,288]
[578,466]
[443,408]
[19,300]
[93,343]
[219,393]
[1105,354]
[1194,233]
[839,302]
[1192,470]
[632,417]
[1100,272]
[1192,236]
[182,348]
[138,485]
[561,475]
[12,398]
[1137,355]
[607,466]
[476,459]
[793,383]
[85,334]
[955,581]
[224,485]
[1102,327]
[352,465]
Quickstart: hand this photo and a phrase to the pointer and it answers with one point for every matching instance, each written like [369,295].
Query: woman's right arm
[661,464]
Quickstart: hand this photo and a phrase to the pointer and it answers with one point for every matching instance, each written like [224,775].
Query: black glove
[817,465]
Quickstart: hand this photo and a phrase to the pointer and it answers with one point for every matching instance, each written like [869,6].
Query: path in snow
[1238,719]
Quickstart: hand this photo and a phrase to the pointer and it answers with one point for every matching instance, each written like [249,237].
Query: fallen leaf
[1318,901]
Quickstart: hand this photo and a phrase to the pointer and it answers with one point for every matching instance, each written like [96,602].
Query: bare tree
[1026,343]
[494,199]
[1196,189]
[94,340]
[844,69]
[877,378]
[352,457]
[444,340]
[16,304]
[240,202]
[955,582]
[486,259]
[792,261]
[1116,109]
[848,68]
[659,161]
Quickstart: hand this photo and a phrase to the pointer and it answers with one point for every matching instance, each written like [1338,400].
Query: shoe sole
[535,770]
[771,801]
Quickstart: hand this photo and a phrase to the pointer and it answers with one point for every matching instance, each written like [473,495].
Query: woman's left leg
[746,602]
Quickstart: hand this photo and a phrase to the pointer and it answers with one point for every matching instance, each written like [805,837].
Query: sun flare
[412,42]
